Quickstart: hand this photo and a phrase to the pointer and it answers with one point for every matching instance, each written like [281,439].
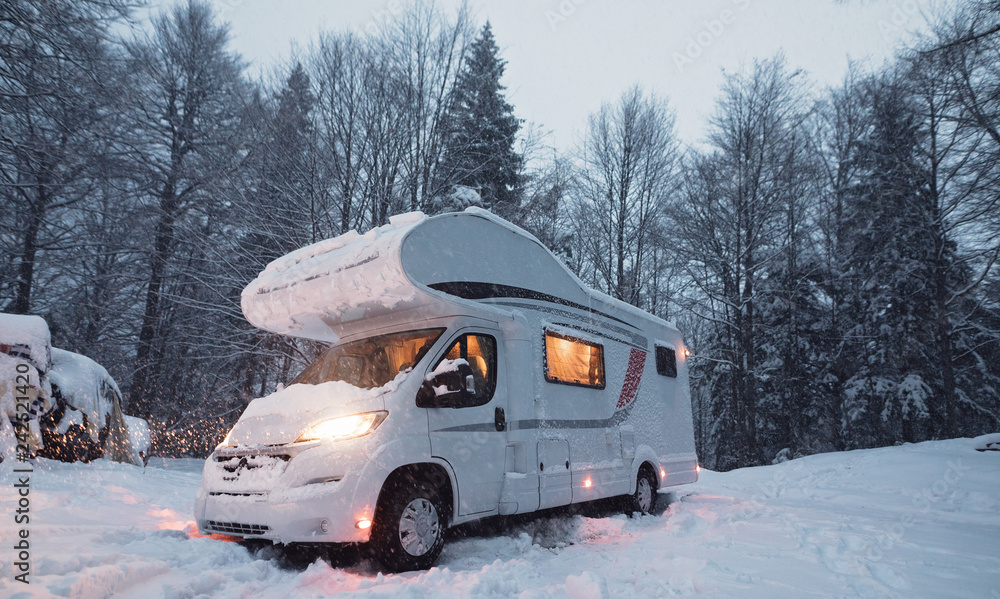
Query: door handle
[500,419]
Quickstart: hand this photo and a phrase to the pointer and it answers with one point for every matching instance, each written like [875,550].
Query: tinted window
[666,361]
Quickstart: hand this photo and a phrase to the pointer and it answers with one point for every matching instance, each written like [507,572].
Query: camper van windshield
[370,362]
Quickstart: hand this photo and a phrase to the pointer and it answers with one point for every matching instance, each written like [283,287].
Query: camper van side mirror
[451,389]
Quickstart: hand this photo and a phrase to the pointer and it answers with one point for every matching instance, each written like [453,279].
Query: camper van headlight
[345,427]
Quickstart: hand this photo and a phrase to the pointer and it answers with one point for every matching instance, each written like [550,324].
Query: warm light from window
[573,361]
[364,524]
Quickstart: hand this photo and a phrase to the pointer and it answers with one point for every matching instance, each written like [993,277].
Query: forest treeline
[830,254]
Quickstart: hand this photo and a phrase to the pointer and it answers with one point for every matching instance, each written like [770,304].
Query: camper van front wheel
[409,534]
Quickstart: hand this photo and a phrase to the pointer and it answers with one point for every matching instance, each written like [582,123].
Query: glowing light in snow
[364,524]
[663,473]
[587,483]
[169,520]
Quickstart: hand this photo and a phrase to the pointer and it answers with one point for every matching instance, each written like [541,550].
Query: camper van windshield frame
[371,362]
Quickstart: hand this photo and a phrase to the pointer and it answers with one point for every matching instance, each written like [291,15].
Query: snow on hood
[311,291]
[284,415]
[27,336]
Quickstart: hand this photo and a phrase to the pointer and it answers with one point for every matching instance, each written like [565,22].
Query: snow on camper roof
[26,336]
[313,291]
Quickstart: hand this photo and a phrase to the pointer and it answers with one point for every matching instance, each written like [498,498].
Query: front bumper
[267,516]
[302,499]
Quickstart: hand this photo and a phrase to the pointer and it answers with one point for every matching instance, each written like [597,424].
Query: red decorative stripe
[636,360]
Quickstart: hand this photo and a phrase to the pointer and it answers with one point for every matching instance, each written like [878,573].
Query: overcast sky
[566,57]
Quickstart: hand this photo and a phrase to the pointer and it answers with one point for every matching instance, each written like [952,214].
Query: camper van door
[470,433]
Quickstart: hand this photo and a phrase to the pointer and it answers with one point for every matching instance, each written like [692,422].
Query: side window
[480,351]
[573,361]
[666,361]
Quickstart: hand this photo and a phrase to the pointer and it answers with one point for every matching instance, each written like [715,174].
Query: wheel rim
[644,494]
[419,527]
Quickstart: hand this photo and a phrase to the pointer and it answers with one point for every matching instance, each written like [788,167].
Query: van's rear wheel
[644,498]
[408,532]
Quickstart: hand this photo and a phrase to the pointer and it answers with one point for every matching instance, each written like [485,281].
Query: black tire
[643,500]
[408,532]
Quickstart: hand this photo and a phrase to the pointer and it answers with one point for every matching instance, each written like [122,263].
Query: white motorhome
[470,374]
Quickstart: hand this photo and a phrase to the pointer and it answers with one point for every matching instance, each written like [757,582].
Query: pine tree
[890,264]
[287,186]
[283,213]
[479,151]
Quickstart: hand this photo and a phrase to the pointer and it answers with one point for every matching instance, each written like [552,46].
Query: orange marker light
[663,473]
[587,483]
[364,524]
[697,469]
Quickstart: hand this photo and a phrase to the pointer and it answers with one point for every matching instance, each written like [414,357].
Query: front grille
[237,528]
[262,469]
[223,457]
[219,493]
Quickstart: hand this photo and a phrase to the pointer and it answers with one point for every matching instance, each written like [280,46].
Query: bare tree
[628,166]
[187,95]
[54,102]
[426,50]
[956,91]
[729,228]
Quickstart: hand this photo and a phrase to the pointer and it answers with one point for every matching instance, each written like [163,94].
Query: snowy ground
[913,521]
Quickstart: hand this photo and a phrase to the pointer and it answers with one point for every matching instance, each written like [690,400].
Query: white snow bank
[138,433]
[85,385]
[989,442]
[308,292]
[26,336]
[911,521]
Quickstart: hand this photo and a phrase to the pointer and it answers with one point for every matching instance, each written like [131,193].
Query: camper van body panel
[576,429]
[467,438]
[536,443]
